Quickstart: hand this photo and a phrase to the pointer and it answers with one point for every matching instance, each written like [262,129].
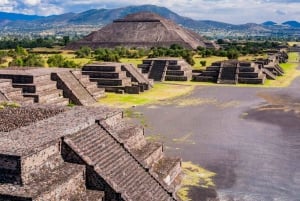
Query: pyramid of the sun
[141,30]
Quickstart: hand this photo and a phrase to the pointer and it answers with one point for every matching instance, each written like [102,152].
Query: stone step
[176,78]
[59,102]
[104,68]
[5,83]
[149,154]
[73,89]
[112,82]
[167,169]
[115,164]
[43,96]
[36,87]
[132,136]
[103,74]
[175,72]
[63,182]
[42,78]
[94,195]
[12,92]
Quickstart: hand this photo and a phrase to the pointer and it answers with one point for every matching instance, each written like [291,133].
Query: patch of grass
[160,92]
[132,61]
[293,57]
[9,104]
[194,176]
[292,43]
[291,73]
[130,113]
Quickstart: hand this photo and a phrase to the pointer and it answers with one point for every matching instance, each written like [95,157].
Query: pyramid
[141,30]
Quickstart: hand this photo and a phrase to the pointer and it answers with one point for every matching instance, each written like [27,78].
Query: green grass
[160,92]
[132,61]
[194,176]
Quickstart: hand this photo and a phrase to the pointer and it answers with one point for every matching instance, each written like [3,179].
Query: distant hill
[101,17]
[293,24]
[269,23]
[14,17]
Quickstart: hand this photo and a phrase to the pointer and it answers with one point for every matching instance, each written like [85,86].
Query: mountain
[14,17]
[96,18]
[269,23]
[293,24]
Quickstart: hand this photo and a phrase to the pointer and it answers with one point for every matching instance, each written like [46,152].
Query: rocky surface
[12,118]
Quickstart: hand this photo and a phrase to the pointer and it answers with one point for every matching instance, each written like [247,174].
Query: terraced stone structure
[93,154]
[117,77]
[53,86]
[166,69]
[232,72]
[141,30]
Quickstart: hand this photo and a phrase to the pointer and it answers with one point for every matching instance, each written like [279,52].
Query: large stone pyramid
[141,30]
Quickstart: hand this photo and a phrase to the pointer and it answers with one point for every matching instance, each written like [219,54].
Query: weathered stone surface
[167,69]
[143,30]
[79,154]
[117,77]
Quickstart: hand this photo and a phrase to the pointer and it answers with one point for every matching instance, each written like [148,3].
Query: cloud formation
[233,11]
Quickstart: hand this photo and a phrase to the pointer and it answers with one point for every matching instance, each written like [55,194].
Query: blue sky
[232,11]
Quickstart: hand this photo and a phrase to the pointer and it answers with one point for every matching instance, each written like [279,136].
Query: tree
[233,54]
[66,40]
[60,61]
[83,52]
[34,60]
[56,61]
[203,63]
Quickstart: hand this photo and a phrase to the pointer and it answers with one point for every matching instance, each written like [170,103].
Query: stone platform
[53,86]
[93,154]
[166,69]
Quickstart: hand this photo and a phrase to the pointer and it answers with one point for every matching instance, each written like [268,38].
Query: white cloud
[31,2]
[234,11]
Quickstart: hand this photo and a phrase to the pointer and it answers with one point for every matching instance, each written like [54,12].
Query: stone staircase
[166,69]
[8,93]
[149,154]
[158,70]
[91,87]
[137,76]
[231,72]
[72,88]
[110,159]
[43,90]
[227,74]
[269,74]
[83,158]
[117,77]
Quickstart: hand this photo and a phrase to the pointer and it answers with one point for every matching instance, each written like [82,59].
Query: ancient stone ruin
[166,69]
[53,86]
[142,30]
[118,77]
[81,153]
[246,72]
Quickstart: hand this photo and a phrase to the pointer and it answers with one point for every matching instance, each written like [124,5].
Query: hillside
[99,17]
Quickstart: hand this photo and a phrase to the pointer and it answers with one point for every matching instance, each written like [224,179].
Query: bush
[203,63]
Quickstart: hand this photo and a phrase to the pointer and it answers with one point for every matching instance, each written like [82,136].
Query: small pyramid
[141,30]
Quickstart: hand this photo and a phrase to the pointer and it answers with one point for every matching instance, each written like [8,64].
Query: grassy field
[292,43]
[160,92]
[132,61]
